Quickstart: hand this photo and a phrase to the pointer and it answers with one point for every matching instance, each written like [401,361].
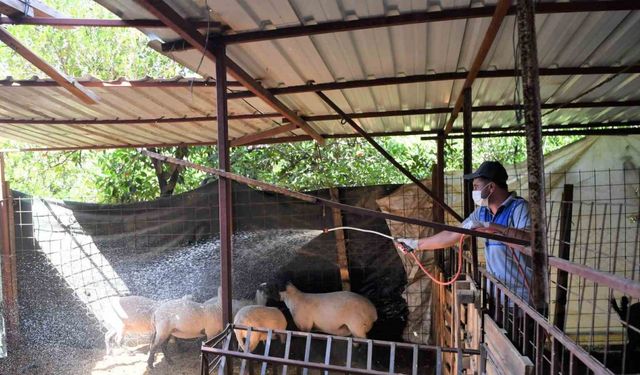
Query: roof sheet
[564,40]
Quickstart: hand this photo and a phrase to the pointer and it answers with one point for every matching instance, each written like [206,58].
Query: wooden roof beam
[496,21]
[79,91]
[191,34]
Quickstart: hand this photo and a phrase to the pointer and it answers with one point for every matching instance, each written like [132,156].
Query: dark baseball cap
[491,170]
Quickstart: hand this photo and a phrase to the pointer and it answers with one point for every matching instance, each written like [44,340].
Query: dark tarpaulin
[73,256]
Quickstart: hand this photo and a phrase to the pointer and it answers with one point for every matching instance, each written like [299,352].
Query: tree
[124,175]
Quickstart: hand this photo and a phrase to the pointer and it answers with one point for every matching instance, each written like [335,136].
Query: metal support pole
[535,164]
[224,184]
[387,156]
[467,168]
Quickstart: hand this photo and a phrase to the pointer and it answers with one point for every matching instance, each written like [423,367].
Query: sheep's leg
[166,354]
[358,330]
[160,337]
[240,339]
[107,340]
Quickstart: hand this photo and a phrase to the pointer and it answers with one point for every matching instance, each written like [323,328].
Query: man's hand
[473,224]
[406,245]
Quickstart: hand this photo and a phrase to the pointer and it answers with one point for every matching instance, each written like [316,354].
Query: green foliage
[345,162]
[64,175]
[506,150]
[104,53]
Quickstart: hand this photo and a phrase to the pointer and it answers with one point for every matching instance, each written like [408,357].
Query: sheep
[258,317]
[632,313]
[337,313]
[184,319]
[260,299]
[129,314]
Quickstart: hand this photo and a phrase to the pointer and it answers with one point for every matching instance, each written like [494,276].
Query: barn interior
[289,71]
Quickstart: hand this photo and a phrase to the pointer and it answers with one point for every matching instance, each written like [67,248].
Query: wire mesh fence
[598,227]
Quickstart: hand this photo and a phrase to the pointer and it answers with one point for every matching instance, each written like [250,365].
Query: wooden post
[563,252]
[438,187]
[467,168]
[8,261]
[435,212]
[535,159]
[525,18]
[343,260]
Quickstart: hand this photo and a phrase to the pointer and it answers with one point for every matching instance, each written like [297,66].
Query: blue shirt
[513,213]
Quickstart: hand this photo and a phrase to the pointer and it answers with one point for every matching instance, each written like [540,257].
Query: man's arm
[441,240]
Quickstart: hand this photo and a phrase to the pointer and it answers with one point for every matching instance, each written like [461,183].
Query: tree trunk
[167,174]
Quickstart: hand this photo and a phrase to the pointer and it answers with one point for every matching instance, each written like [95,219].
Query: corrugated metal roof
[564,40]
[36,100]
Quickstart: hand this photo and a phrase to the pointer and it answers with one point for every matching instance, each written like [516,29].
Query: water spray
[408,250]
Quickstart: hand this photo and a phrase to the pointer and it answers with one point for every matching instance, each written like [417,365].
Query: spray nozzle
[405,248]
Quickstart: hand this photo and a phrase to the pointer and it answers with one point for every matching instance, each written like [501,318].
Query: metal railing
[330,353]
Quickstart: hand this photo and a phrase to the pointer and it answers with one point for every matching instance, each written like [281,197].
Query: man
[499,211]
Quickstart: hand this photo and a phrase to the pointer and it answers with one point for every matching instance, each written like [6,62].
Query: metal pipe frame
[544,325]
[547,133]
[220,347]
[331,117]
[97,22]
[437,77]
[490,35]
[412,18]
[326,86]
[164,12]
[624,128]
[224,185]
[388,156]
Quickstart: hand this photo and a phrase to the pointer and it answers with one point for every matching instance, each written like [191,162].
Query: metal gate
[315,353]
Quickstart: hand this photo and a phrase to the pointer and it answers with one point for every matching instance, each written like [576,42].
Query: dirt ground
[54,360]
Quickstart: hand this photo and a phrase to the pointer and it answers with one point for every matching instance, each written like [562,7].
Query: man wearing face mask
[498,210]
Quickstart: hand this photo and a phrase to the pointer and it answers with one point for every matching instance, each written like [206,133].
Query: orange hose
[458,272]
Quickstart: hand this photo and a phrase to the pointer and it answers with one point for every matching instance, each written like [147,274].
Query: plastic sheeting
[74,258]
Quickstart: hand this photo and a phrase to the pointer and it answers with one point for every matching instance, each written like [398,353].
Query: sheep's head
[268,290]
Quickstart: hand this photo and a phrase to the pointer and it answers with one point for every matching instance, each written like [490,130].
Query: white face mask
[477,197]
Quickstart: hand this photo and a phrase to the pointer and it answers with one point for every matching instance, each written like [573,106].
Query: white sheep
[337,313]
[129,314]
[260,299]
[184,319]
[258,317]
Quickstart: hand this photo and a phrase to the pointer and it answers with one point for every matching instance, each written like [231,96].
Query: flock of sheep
[337,313]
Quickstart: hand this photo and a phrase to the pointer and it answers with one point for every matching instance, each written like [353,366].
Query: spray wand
[409,250]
